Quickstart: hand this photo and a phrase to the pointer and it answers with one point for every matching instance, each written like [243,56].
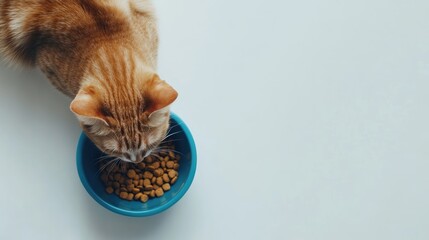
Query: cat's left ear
[87,107]
[159,95]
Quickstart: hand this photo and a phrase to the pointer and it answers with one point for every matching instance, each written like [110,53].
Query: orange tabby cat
[102,53]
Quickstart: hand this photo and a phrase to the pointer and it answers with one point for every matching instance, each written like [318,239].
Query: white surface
[310,118]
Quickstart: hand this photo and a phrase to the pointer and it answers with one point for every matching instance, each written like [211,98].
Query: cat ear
[159,117]
[87,106]
[158,95]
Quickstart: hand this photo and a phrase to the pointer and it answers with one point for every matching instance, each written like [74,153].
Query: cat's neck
[117,67]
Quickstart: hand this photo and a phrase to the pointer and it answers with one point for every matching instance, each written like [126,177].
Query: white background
[310,118]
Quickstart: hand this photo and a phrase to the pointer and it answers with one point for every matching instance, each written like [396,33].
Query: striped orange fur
[101,53]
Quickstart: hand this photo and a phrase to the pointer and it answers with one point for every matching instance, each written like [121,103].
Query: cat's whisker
[171,134]
[174,133]
[102,158]
[110,166]
[172,127]
[106,165]
[102,168]
[155,155]
[113,165]
[172,140]
[167,150]
[106,158]
[177,124]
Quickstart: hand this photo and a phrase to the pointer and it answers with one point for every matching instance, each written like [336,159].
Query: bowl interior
[88,172]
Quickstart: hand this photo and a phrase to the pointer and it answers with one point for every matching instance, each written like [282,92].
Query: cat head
[126,122]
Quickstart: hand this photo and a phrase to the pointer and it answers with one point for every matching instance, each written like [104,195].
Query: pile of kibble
[145,180]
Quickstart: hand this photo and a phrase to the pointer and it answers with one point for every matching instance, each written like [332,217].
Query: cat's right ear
[87,107]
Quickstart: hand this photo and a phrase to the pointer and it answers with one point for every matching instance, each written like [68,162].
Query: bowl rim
[153,211]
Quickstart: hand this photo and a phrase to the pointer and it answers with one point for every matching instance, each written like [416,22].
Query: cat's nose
[139,158]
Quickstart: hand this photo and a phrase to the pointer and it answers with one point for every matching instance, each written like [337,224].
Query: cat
[103,55]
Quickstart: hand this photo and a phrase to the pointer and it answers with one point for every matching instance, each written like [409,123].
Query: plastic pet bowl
[88,153]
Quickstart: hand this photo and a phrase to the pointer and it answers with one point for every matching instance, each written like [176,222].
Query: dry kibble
[130,197]
[158,172]
[109,190]
[152,193]
[123,195]
[149,159]
[130,187]
[166,187]
[131,173]
[159,181]
[144,198]
[141,165]
[170,164]
[138,196]
[147,175]
[165,177]
[172,173]
[155,165]
[159,192]
[145,180]
[176,166]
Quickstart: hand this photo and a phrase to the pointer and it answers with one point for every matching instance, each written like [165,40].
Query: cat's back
[26,26]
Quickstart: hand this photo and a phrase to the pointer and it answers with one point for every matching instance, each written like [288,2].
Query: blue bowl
[87,155]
